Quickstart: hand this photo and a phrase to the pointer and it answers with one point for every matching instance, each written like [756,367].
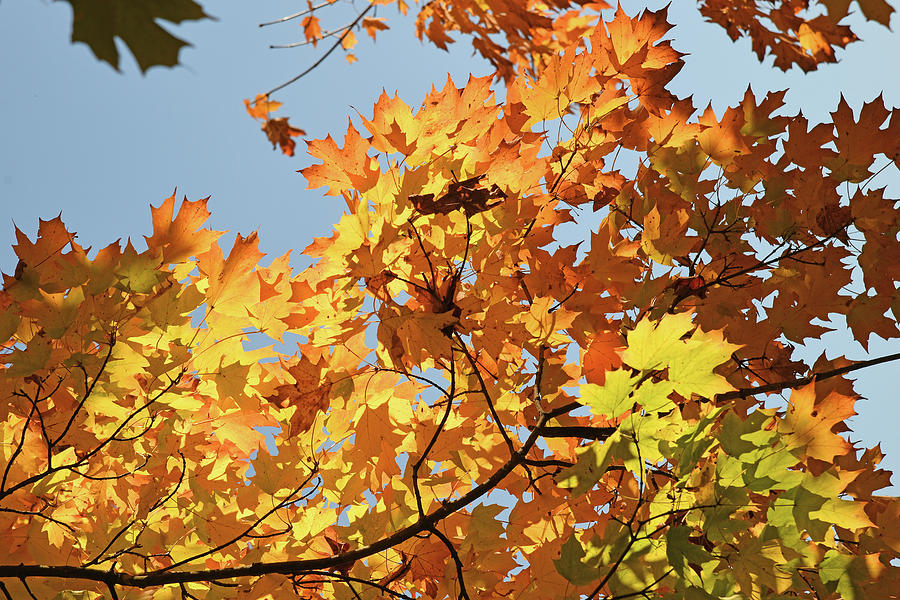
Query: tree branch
[796,383]
[290,567]
[84,459]
[299,14]
[324,56]
[580,431]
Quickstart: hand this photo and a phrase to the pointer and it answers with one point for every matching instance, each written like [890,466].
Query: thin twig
[327,34]
[434,437]
[615,566]
[88,390]
[487,397]
[463,593]
[324,56]
[299,14]
[433,288]
[278,506]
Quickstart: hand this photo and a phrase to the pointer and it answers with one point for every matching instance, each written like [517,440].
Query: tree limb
[796,383]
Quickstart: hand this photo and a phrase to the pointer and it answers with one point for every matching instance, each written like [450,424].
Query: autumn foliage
[470,405]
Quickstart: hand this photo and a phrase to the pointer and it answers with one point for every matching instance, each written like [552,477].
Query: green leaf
[847,514]
[612,398]
[840,573]
[654,345]
[685,452]
[570,565]
[754,458]
[653,396]
[645,435]
[139,272]
[9,322]
[747,438]
[484,527]
[592,463]
[681,552]
[651,344]
[32,358]
[691,367]
[636,562]
[811,506]
[98,22]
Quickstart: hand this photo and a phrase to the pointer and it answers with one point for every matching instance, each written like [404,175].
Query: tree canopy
[469,405]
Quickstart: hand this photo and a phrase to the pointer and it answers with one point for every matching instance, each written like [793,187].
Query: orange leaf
[601,356]
[373,25]
[179,238]
[280,132]
[810,423]
[344,168]
[348,41]
[232,279]
[312,31]
[261,106]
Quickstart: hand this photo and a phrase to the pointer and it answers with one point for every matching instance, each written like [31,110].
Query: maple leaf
[261,106]
[393,127]
[338,547]
[874,10]
[179,238]
[779,29]
[98,22]
[613,398]
[348,41]
[280,132]
[811,421]
[224,274]
[460,194]
[867,316]
[342,168]
[601,356]
[373,25]
[571,564]
[309,394]
[689,286]
[858,141]
[312,31]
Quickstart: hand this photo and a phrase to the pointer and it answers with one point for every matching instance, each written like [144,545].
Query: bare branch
[796,383]
[324,56]
[327,34]
[302,13]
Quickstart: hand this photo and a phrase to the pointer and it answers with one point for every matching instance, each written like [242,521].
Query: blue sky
[100,146]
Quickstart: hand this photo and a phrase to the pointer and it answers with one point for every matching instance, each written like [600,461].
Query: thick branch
[579,431]
[796,383]
[284,567]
